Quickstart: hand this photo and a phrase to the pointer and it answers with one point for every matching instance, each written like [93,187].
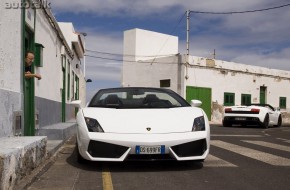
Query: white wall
[149,75]
[11,66]
[146,45]
[10,48]
[51,83]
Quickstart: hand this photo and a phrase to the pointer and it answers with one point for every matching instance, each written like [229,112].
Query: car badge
[148,129]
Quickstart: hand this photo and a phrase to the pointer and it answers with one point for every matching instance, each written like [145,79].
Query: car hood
[172,120]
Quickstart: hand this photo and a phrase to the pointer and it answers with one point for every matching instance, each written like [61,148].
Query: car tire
[265,123]
[227,124]
[279,124]
[80,159]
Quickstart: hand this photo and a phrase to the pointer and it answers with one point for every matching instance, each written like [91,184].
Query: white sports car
[263,115]
[141,123]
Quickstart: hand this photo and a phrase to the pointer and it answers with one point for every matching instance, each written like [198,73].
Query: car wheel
[80,159]
[265,123]
[279,124]
[227,124]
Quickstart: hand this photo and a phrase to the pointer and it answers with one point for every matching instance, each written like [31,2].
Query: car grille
[106,150]
[194,148]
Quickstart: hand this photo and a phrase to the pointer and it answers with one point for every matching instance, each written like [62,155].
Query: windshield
[137,98]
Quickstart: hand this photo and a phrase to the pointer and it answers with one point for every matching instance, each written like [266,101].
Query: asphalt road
[240,158]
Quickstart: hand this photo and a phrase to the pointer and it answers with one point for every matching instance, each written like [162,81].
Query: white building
[29,104]
[215,82]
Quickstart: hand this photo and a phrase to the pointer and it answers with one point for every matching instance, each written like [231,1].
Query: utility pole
[187,33]
[187,43]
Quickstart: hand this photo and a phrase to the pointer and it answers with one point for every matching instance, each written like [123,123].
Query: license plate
[150,149]
[240,118]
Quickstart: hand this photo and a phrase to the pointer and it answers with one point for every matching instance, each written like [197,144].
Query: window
[229,99]
[38,60]
[165,83]
[282,102]
[246,99]
[77,88]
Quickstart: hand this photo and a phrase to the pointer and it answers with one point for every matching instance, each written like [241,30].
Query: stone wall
[18,157]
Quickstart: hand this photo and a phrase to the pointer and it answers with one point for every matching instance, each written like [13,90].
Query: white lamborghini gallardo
[263,115]
[141,123]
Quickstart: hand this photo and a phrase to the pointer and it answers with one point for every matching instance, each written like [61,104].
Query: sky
[259,38]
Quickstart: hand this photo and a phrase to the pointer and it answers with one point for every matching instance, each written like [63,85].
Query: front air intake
[106,150]
[194,148]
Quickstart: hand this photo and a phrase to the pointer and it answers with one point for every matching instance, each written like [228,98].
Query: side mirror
[195,103]
[76,103]
[277,109]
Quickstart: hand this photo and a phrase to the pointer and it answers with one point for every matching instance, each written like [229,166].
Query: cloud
[149,7]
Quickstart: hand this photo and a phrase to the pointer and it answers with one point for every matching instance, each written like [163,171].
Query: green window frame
[229,99]
[246,99]
[73,85]
[38,59]
[77,88]
[68,80]
[282,102]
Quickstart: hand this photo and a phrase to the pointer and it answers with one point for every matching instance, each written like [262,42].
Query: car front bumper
[120,147]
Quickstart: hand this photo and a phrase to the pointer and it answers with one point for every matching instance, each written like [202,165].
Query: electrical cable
[241,12]
[125,55]
[121,60]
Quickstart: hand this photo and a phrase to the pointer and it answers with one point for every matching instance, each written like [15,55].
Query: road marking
[254,154]
[282,139]
[224,135]
[270,145]
[107,179]
[213,161]
[285,140]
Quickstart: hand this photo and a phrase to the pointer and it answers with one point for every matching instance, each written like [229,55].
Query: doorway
[29,102]
[263,92]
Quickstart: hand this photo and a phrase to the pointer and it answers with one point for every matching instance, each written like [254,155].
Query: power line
[241,12]
[125,55]
[169,36]
[121,60]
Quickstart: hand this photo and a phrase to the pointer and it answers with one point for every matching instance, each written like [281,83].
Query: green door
[29,102]
[263,90]
[202,94]
[63,61]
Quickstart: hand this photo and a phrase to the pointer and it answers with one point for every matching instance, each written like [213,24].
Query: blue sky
[260,38]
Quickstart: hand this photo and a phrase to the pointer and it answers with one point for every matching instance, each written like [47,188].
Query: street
[240,158]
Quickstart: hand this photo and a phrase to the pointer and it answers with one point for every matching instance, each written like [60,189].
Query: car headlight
[93,125]
[198,124]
